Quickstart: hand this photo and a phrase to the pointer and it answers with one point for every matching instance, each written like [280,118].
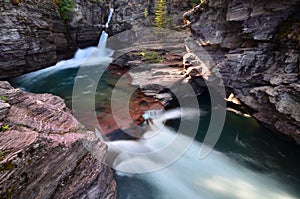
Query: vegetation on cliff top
[160,13]
[64,8]
[151,56]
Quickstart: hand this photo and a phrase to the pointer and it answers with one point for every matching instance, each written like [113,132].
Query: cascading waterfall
[90,56]
[217,176]
[109,17]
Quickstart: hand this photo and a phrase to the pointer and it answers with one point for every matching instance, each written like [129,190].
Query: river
[248,162]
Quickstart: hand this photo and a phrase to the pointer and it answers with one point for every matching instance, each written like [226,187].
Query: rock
[255,51]
[163,81]
[233,99]
[130,106]
[4,109]
[46,153]
[136,13]
[34,36]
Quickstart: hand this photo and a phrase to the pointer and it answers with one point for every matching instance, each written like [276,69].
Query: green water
[268,166]
[249,161]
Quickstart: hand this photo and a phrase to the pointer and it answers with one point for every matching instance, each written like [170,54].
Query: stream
[248,162]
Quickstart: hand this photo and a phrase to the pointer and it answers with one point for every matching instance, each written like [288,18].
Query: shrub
[152,57]
[64,8]
[3,98]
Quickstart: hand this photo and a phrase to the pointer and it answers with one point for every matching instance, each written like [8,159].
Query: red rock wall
[44,153]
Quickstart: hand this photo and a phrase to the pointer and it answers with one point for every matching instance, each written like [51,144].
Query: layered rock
[46,153]
[33,34]
[254,48]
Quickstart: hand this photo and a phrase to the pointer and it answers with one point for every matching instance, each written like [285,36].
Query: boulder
[46,153]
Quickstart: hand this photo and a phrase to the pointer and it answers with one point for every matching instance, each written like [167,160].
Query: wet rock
[46,153]
[130,105]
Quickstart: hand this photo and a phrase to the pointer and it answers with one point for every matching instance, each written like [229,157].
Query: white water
[90,56]
[109,17]
[216,176]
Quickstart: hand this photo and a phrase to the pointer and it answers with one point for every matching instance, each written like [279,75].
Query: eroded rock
[46,153]
[253,46]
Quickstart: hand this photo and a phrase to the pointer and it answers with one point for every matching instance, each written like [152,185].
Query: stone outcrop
[46,153]
[33,35]
[254,47]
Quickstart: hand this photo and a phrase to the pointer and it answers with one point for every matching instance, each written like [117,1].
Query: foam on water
[91,56]
[215,176]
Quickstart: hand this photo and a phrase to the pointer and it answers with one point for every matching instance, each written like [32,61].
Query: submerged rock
[43,151]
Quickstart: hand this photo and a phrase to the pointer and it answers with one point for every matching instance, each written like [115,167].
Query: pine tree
[160,12]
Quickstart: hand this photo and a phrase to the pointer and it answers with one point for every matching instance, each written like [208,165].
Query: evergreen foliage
[160,13]
[65,7]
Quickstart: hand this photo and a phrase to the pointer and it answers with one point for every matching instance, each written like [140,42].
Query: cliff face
[255,47]
[43,150]
[33,35]
[254,44]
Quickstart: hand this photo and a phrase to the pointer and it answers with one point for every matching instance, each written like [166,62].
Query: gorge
[253,47]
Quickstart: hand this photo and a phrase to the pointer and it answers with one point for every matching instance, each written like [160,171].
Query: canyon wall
[255,48]
[33,34]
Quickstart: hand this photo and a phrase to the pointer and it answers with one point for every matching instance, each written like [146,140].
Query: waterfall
[109,17]
[90,56]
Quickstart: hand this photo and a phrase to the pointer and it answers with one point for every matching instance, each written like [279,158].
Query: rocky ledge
[254,47]
[44,150]
[34,35]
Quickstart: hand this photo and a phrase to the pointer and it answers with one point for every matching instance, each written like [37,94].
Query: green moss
[151,57]
[3,98]
[2,155]
[4,128]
